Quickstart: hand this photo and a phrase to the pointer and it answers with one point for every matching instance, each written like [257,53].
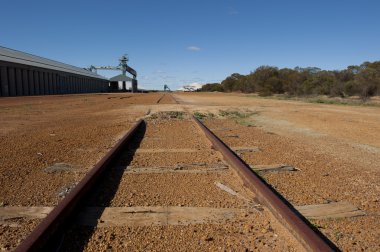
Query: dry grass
[323,99]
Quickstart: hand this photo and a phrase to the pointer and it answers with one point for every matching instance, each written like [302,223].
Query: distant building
[191,87]
[121,83]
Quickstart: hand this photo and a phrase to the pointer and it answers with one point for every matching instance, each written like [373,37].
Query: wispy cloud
[232,11]
[167,77]
[193,48]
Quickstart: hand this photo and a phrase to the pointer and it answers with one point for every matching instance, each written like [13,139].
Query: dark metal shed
[26,74]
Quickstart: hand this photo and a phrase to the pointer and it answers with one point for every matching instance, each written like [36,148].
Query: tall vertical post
[31,82]
[4,81]
[37,84]
[11,81]
[42,83]
[25,82]
[18,82]
[134,85]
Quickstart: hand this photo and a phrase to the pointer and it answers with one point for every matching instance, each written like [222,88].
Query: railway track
[159,99]
[171,184]
[166,98]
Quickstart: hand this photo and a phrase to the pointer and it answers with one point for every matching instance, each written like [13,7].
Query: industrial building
[24,74]
[121,83]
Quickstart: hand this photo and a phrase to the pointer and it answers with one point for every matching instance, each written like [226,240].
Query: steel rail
[177,102]
[158,101]
[56,218]
[286,214]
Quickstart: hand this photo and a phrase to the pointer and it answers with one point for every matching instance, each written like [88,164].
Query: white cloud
[193,48]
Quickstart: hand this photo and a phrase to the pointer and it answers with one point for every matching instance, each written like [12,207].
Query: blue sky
[181,42]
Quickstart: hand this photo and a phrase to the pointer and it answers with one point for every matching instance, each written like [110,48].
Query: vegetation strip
[362,81]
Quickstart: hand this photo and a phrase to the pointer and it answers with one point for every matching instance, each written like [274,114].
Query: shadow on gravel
[76,236]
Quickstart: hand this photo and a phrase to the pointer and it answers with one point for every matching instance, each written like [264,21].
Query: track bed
[171,186]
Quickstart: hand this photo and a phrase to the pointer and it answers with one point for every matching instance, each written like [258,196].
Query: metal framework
[189,88]
[123,67]
[166,88]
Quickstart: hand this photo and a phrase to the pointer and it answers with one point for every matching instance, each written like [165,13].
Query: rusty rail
[158,101]
[48,227]
[176,101]
[287,215]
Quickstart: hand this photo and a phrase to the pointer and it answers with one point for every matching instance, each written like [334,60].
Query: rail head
[161,97]
[65,208]
[284,212]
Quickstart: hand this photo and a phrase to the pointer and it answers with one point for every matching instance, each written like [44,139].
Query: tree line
[363,80]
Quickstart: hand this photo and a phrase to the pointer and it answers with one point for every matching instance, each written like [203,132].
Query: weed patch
[242,118]
[202,116]
[167,115]
[321,100]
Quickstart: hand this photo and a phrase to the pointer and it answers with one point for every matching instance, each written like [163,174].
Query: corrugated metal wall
[22,80]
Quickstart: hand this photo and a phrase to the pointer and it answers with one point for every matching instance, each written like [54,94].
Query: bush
[363,80]
[212,87]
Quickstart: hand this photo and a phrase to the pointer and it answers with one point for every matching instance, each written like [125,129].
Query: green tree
[231,83]
[212,87]
[367,82]
[363,80]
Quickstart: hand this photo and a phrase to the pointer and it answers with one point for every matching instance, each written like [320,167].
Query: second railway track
[165,188]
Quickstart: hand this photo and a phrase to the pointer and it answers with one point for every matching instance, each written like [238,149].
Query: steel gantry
[123,67]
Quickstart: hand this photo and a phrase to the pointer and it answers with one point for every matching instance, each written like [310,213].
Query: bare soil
[253,229]
[336,149]
[38,132]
